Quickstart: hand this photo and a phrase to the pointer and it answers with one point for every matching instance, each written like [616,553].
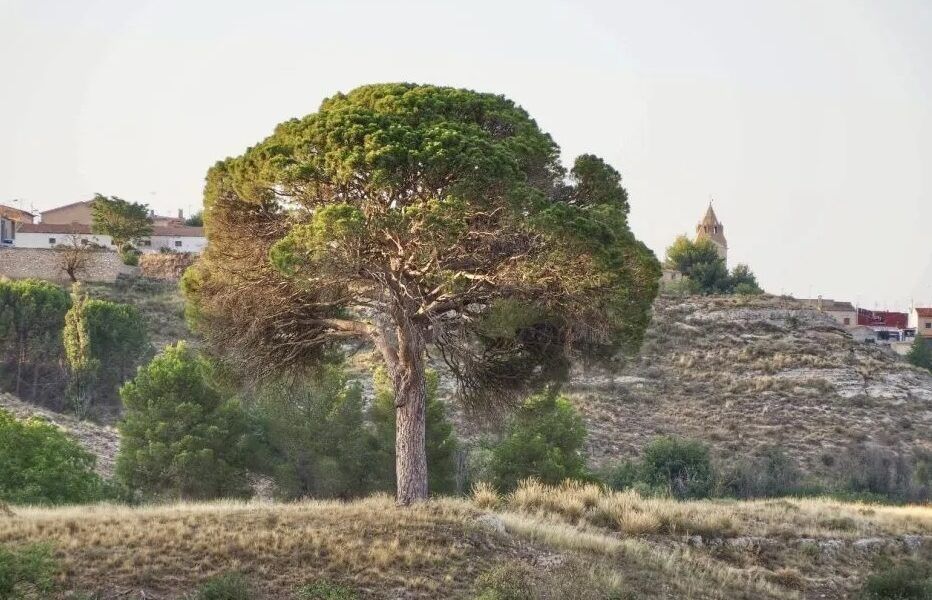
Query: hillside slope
[743,373]
[101,440]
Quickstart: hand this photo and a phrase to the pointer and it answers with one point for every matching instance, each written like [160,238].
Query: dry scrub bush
[485,496]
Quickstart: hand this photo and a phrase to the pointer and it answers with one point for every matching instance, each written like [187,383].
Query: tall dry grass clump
[630,513]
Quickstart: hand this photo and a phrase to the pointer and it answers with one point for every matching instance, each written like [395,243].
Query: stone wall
[168,267]
[44,263]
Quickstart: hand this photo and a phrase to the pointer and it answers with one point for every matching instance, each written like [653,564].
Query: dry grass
[632,514]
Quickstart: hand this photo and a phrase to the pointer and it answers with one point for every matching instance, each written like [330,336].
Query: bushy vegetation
[874,471]
[227,586]
[439,438]
[920,353]
[326,590]
[705,272]
[772,473]
[27,573]
[543,440]
[179,437]
[669,466]
[910,579]
[40,464]
[104,342]
[32,315]
[315,437]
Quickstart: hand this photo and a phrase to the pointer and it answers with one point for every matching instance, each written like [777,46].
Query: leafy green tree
[706,271]
[440,440]
[678,467]
[743,281]
[544,440]
[315,430]
[104,342]
[40,464]
[125,222]
[404,215]
[920,353]
[32,314]
[178,437]
[195,220]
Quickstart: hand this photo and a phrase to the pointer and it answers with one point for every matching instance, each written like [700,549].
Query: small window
[177,243]
[928,324]
[51,241]
[847,320]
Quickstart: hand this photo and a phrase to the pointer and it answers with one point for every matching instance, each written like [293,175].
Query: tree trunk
[410,407]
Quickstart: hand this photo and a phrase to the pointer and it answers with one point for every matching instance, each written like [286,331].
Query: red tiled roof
[924,312]
[11,212]
[176,231]
[882,318]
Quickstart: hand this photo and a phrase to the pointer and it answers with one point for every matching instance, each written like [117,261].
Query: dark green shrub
[920,353]
[543,440]
[104,343]
[440,441]
[27,572]
[316,437]
[326,590]
[621,476]
[867,469]
[40,464]
[907,580]
[678,467]
[179,437]
[32,315]
[772,473]
[228,586]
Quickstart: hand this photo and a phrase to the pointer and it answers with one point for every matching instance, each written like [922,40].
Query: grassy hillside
[742,373]
[574,542]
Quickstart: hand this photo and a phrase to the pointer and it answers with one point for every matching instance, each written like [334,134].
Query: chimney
[180,214]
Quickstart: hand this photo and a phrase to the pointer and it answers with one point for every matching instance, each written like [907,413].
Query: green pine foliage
[179,437]
[32,315]
[27,573]
[920,353]
[678,467]
[440,440]
[104,342]
[315,437]
[40,464]
[543,440]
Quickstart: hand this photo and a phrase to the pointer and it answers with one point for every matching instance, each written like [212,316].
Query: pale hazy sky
[808,121]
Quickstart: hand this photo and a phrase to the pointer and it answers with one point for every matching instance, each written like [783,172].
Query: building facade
[843,312]
[920,319]
[10,220]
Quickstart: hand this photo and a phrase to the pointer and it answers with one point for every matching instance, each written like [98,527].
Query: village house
[62,224]
[10,220]
[920,319]
[889,326]
[843,312]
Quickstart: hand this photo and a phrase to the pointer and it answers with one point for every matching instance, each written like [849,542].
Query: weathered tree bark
[410,386]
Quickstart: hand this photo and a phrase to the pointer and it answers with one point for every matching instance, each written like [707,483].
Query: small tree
[678,467]
[179,438]
[125,222]
[440,441]
[195,220]
[920,353]
[743,281]
[73,256]
[315,431]
[408,216]
[32,314]
[104,342]
[544,440]
[706,271]
[40,464]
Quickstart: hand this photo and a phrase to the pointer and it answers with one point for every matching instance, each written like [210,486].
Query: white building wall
[153,244]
